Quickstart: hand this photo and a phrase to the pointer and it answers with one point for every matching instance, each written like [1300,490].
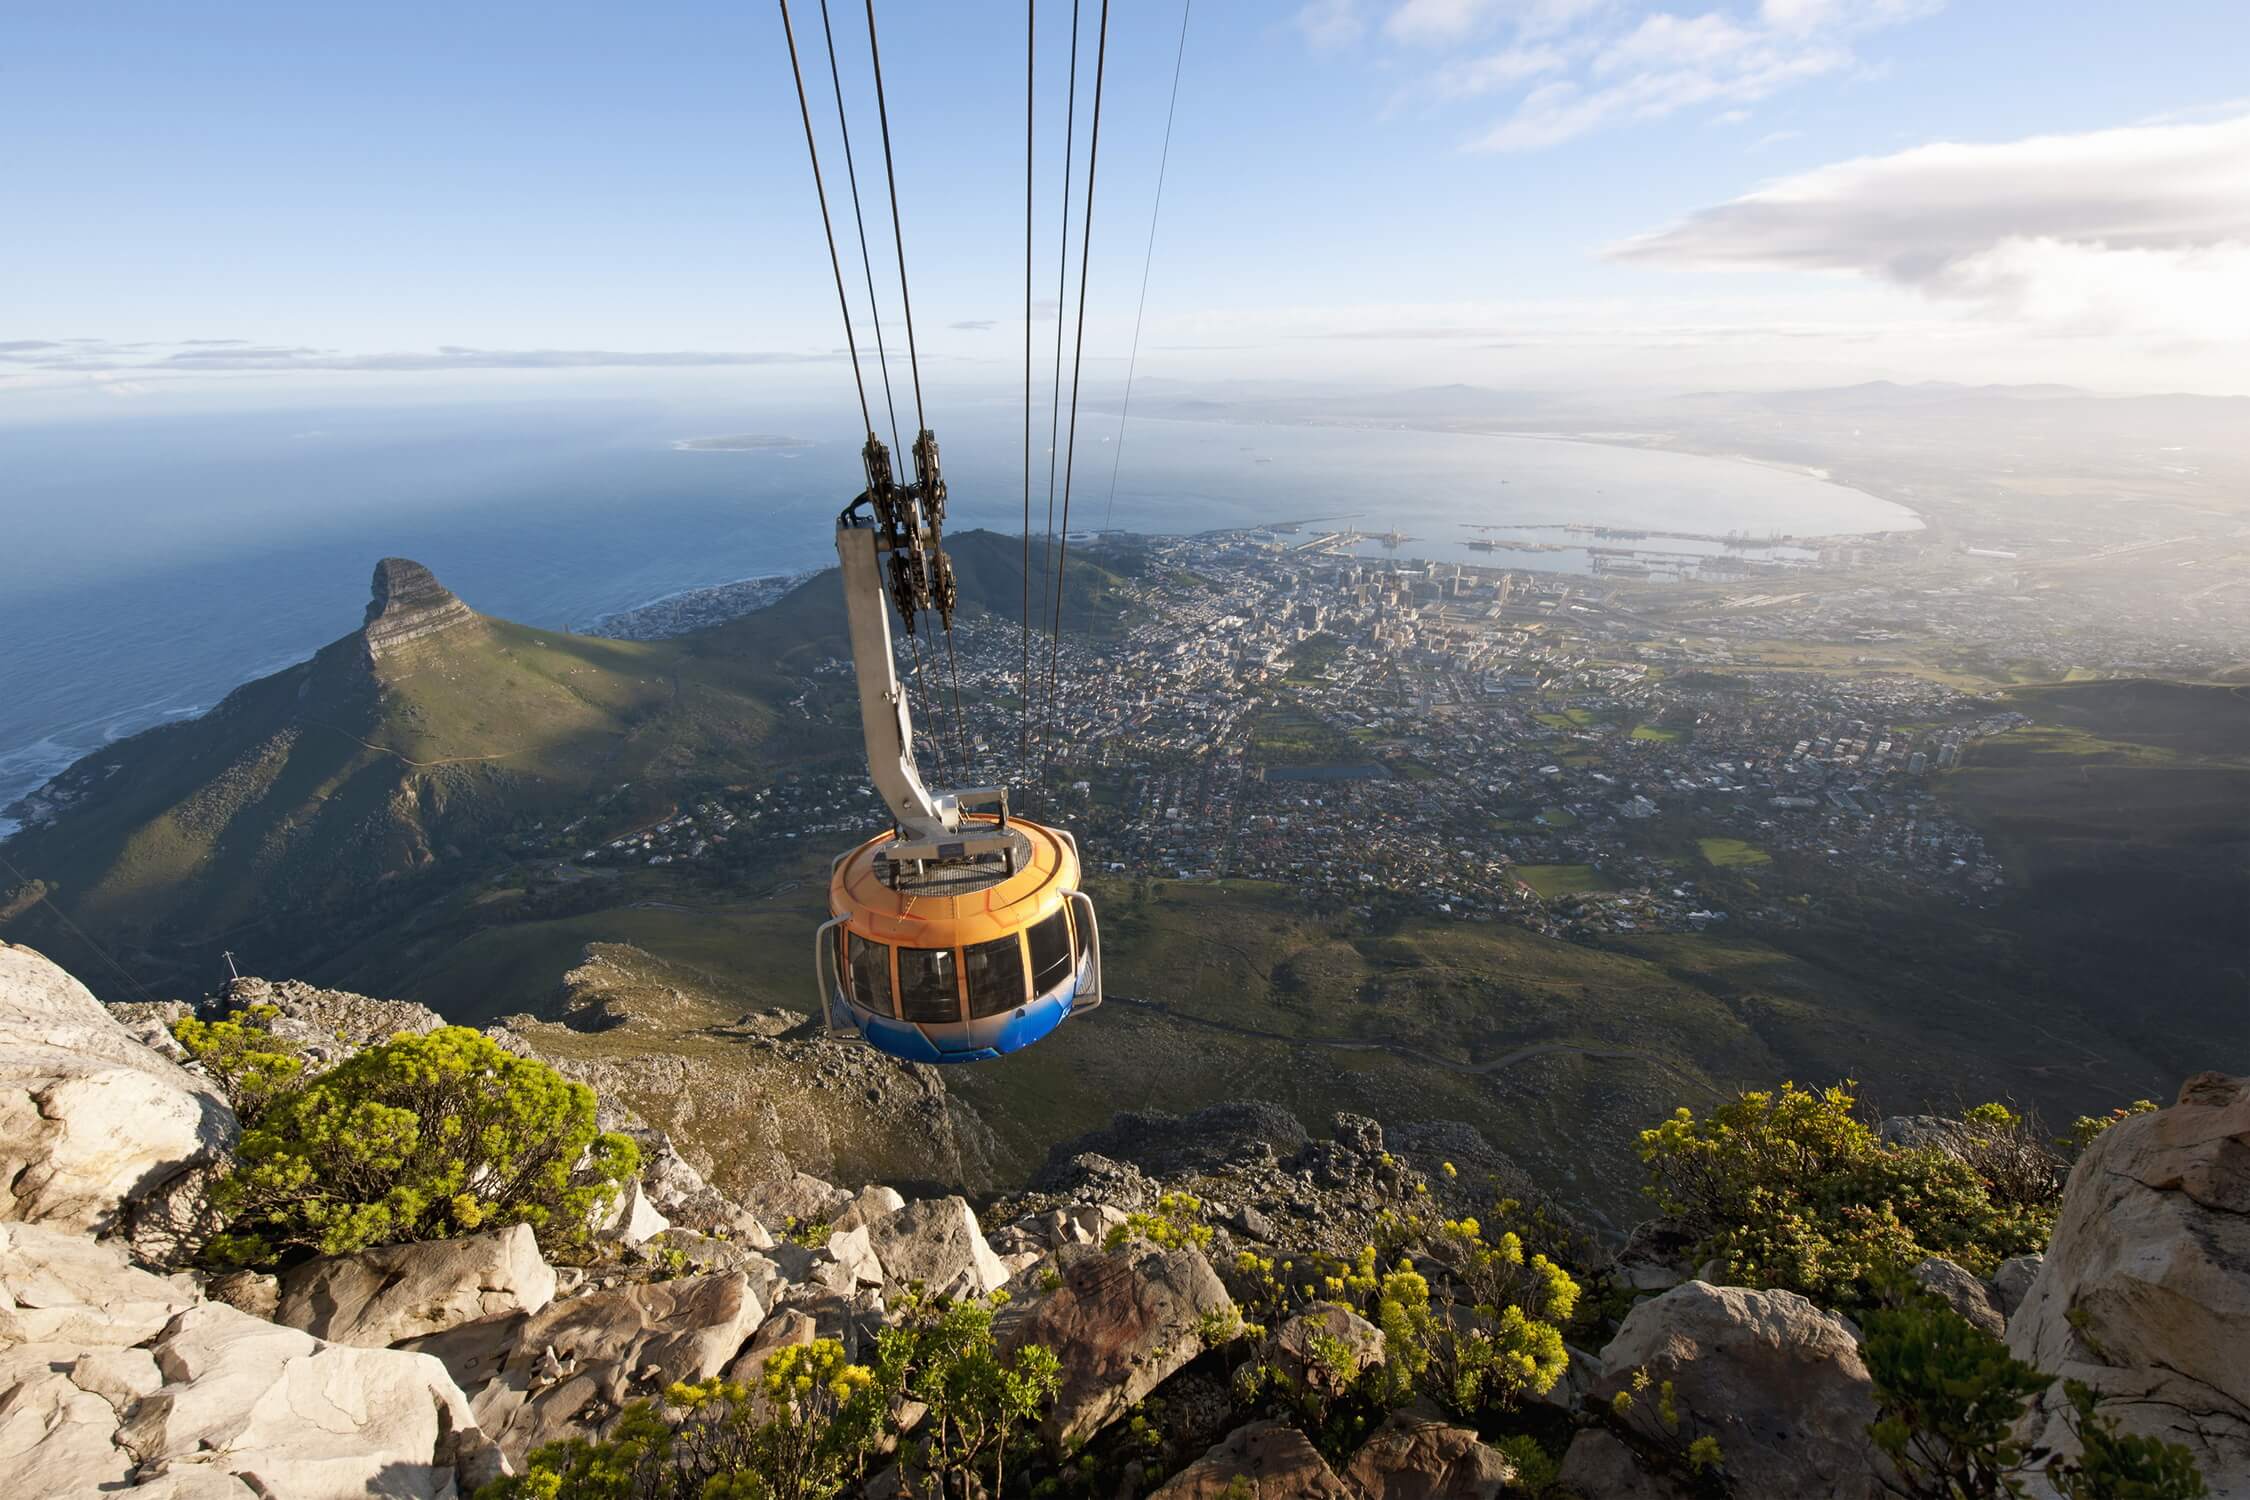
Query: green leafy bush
[2112,1465]
[248,1062]
[420,1138]
[2087,1129]
[803,1434]
[1948,1396]
[1793,1189]
[982,1406]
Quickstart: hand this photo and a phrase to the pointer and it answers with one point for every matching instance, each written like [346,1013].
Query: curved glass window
[995,972]
[870,968]
[927,988]
[1050,952]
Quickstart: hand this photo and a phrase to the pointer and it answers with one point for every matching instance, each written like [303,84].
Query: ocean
[151,563]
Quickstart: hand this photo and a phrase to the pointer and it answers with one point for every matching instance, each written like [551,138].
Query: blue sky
[1541,192]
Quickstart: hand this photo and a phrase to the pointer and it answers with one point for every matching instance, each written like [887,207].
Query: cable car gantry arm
[893,521]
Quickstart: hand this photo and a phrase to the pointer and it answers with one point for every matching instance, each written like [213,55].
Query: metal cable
[1078,355]
[835,263]
[898,234]
[1030,73]
[867,264]
[1148,259]
[83,936]
[1054,418]
[913,357]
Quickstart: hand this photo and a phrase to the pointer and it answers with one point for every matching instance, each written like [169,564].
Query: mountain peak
[409,604]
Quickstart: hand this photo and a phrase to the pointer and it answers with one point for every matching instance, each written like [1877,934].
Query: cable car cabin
[959,960]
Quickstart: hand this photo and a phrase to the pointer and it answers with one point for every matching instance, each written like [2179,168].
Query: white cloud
[1587,65]
[1562,111]
[1330,24]
[1668,41]
[1495,71]
[1427,21]
[2138,230]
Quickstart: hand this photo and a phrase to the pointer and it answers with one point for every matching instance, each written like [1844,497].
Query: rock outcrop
[387,1295]
[1962,1292]
[936,1245]
[1777,1381]
[2144,1293]
[115,1379]
[97,1132]
[409,604]
[1418,1455]
[295,1416]
[1120,1323]
[572,1368]
[1263,1461]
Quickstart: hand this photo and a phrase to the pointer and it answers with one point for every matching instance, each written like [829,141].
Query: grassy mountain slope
[340,795]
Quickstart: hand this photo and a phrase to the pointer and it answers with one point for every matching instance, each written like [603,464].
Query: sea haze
[154,563]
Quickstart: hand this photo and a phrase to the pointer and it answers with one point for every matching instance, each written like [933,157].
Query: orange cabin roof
[877,912]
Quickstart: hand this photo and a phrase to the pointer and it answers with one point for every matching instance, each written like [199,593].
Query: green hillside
[334,800]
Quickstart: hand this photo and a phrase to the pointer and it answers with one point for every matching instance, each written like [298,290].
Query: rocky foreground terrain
[433,1369]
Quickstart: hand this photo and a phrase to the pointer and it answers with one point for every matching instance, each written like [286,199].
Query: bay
[150,564]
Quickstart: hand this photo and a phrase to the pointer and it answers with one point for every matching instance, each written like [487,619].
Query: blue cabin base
[966,1041]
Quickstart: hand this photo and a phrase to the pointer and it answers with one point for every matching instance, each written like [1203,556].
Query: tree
[421,1138]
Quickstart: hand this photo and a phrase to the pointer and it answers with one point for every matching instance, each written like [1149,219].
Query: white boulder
[296,1416]
[92,1123]
[937,1244]
[2144,1293]
[382,1296]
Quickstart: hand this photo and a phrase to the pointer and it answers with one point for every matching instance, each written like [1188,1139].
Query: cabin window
[995,972]
[871,974]
[927,988]
[1050,953]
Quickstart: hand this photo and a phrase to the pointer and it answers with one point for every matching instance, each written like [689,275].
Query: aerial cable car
[961,934]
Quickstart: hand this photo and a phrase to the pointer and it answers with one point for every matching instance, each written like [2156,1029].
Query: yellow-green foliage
[421,1138]
[982,1405]
[1176,1221]
[248,1062]
[2086,1129]
[805,1435]
[1791,1188]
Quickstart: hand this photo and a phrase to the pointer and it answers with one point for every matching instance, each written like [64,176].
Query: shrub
[981,1406]
[1948,1396]
[248,1062]
[1176,1221]
[2119,1466]
[1536,1469]
[2010,1152]
[2087,1129]
[1792,1189]
[420,1138]
[803,1435]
